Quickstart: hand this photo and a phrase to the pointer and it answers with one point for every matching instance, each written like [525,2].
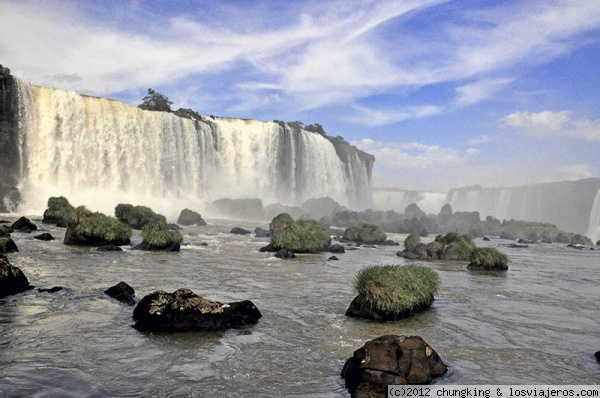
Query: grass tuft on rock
[156,236]
[135,216]
[366,233]
[303,236]
[411,241]
[59,210]
[488,258]
[395,291]
[87,227]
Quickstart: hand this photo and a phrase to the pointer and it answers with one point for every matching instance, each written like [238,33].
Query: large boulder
[7,245]
[58,212]
[156,237]
[366,233]
[137,217]
[303,236]
[12,279]
[488,258]
[183,310]
[190,217]
[23,224]
[391,359]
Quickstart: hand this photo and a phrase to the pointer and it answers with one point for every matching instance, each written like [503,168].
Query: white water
[397,200]
[594,228]
[99,152]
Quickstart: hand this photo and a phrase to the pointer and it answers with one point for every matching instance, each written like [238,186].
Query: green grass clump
[156,236]
[59,209]
[462,244]
[280,221]
[98,226]
[366,233]
[303,236]
[488,258]
[395,291]
[411,241]
[135,216]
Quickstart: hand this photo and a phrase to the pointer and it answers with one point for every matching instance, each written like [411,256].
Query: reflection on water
[535,324]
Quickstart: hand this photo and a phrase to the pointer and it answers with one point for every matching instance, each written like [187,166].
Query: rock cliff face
[9,144]
[63,143]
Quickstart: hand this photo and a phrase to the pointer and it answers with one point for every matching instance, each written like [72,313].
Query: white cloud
[482,139]
[574,172]
[479,91]
[554,124]
[377,117]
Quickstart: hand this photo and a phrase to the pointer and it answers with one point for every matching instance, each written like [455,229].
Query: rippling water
[538,323]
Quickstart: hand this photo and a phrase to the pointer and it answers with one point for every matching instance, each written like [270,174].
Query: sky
[445,94]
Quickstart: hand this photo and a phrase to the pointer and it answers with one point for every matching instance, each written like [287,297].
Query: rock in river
[183,310]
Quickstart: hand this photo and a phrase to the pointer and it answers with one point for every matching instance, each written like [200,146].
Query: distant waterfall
[101,152]
[594,227]
[398,200]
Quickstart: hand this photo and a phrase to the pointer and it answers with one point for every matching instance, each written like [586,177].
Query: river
[537,323]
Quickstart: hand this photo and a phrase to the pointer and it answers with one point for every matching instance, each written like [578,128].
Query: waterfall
[101,152]
[594,227]
[398,200]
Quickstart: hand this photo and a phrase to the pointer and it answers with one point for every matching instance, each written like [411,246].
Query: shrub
[156,236]
[488,258]
[461,244]
[135,216]
[366,233]
[59,210]
[86,227]
[563,237]
[395,291]
[411,242]
[303,236]
[579,239]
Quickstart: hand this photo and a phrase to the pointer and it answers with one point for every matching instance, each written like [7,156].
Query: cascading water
[101,152]
[594,227]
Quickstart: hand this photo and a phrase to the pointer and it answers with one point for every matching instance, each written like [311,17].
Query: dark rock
[24,225]
[485,238]
[336,248]
[450,254]
[391,359]
[358,308]
[262,233]
[239,231]
[122,292]
[109,248]
[51,290]
[574,246]
[174,227]
[333,258]
[283,253]
[390,243]
[190,217]
[597,355]
[12,279]
[45,236]
[267,248]
[183,310]
[62,224]
[528,241]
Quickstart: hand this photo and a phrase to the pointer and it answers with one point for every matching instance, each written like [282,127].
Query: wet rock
[337,248]
[45,237]
[12,279]
[122,292]
[7,245]
[597,355]
[174,227]
[391,359]
[183,310]
[262,233]
[239,231]
[190,217]
[267,248]
[333,258]
[285,254]
[23,224]
[172,247]
[51,290]
[109,248]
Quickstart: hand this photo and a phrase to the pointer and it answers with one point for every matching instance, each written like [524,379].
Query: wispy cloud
[479,91]
[382,116]
[554,124]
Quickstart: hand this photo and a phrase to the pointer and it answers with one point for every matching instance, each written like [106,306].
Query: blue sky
[444,93]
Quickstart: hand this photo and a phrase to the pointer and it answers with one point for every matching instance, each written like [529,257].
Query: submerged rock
[12,279]
[183,310]
[109,248]
[391,359]
[51,290]
[262,233]
[239,231]
[45,237]
[337,248]
[283,253]
[122,292]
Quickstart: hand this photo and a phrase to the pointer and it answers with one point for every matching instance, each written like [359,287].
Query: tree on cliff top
[155,101]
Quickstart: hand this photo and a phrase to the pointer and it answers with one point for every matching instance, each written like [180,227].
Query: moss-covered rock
[391,292]
[95,229]
[488,258]
[366,233]
[58,212]
[303,236]
[12,279]
[411,241]
[135,216]
[156,236]
[7,245]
